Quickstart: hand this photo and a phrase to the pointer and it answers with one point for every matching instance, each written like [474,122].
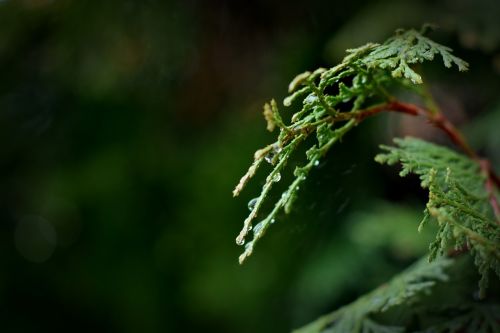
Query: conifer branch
[463,190]
[458,201]
[405,288]
[489,185]
[436,118]
[361,81]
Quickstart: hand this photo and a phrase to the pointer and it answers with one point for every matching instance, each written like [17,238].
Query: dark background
[124,126]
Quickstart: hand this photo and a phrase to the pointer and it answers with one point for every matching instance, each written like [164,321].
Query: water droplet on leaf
[310,99]
[252,203]
[258,228]
[248,246]
[276,149]
[277,177]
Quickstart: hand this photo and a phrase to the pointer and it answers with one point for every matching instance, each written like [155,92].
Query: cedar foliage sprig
[360,82]
[406,304]
[458,201]
[405,288]
[471,318]
[463,190]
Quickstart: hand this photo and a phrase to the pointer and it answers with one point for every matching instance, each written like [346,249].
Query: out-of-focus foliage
[403,289]
[483,134]
[426,297]
[371,237]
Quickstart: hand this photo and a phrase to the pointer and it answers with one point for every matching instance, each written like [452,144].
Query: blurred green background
[125,125]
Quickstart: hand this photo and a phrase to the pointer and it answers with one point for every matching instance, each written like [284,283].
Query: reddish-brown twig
[441,122]
[486,169]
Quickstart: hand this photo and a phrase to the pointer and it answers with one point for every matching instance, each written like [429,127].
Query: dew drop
[248,247]
[272,221]
[252,203]
[258,228]
[316,163]
[276,149]
[310,99]
[240,241]
[277,177]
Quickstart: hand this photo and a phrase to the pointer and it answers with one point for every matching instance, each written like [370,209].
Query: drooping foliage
[463,190]
[360,82]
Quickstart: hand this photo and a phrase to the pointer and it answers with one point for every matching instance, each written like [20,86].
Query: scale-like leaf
[458,201]
[405,288]
[359,82]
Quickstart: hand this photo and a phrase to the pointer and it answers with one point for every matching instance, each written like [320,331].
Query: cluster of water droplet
[270,158]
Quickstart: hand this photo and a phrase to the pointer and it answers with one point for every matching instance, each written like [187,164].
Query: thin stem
[436,118]
[321,99]
[440,121]
[487,171]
